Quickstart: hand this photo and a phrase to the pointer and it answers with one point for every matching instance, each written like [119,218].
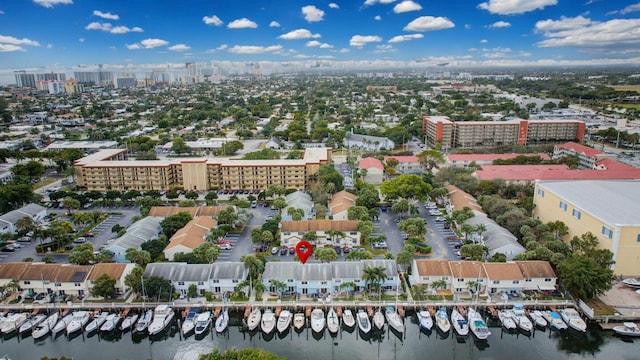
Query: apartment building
[587,157]
[109,169]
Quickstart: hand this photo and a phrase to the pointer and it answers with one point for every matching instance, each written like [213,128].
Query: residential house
[406,164]
[503,277]
[427,272]
[340,204]
[11,271]
[216,278]
[538,275]
[298,200]
[118,272]
[274,143]
[466,276]
[225,277]
[58,279]
[189,237]
[145,229]
[587,156]
[34,211]
[328,232]
[374,170]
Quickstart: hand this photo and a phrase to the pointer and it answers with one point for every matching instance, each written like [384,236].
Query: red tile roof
[402,159]
[490,157]
[578,148]
[615,171]
[370,162]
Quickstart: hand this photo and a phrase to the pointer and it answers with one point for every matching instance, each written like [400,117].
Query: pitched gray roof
[497,238]
[29,210]
[281,270]
[141,231]
[196,272]
[228,270]
[324,271]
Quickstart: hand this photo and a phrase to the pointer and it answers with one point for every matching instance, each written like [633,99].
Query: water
[548,345]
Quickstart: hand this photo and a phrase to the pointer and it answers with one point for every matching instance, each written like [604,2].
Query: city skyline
[49,35]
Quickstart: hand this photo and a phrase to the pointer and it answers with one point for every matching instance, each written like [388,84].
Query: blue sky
[65,33]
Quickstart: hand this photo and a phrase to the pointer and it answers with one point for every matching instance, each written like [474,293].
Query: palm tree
[374,276]
[466,229]
[348,285]
[401,206]
[14,284]
[24,224]
[480,229]
[442,283]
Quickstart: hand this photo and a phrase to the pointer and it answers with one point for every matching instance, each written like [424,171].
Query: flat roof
[82,145]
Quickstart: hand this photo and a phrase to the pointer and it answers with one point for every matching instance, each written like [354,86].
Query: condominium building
[587,157]
[110,170]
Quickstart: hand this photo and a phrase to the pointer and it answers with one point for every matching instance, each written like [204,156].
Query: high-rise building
[25,80]
[52,76]
[94,77]
[125,81]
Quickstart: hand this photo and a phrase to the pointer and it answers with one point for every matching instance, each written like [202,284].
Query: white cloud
[472,50]
[51,3]
[81,40]
[98,26]
[334,6]
[124,30]
[377,17]
[254,49]
[299,34]
[312,13]
[361,40]
[274,24]
[500,24]
[316,43]
[630,8]
[1,12]
[109,28]
[406,6]
[10,48]
[401,38]
[429,23]
[212,20]
[179,47]
[582,32]
[565,23]
[133,46]
[344,50]
[384,49]
[49,46]
[153,43]
[109,16]
[15,41]
[467,26]
[243,23]
[373,2]
[484,41]
[222,47]
[509,7]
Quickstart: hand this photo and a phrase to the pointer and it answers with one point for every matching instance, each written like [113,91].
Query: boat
[254,319]
[222,321]
[425,320]
[189,322]
[31,323]
[317,320]
[62,323]
[97,322]
[268,322]
[129,321]
[507,321]
[442,320]
[45,327]
[144,321]
[13,322]
[477,325]
[394,320]
[538,319]
[162,316]
[347,319]
[554,319]
[284,321]
[627,329]
[203,322]
[364,324]
[573,319]
[332,321]
[78,322]
[633,282]
[298,321]
[460,324]
[110,323]
[521,319]
[378,319]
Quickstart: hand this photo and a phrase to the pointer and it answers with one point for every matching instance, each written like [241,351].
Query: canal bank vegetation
[244,354]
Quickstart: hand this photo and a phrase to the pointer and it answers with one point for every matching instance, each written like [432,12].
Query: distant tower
[256,69]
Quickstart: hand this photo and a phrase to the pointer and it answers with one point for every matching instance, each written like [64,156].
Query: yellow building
[609,209]
[110,170]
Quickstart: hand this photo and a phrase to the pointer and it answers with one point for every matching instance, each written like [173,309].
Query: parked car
[226,247]
[383,208]
[283,251]
[274,251]
[292,250]
[346,249]
[254,204]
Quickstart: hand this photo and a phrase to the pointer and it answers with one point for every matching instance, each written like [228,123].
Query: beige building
[340,204]
[189,237]
[328,232]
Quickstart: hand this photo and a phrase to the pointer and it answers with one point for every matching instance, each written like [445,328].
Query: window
[200,283]
[540,192]
[638,239]
[576,214]
[460,280]
[547,280]
[516,281]
[74,284]
[290,280]
[305,282]
[180,283]
[323,283]
[496,282]
[26,282]
[235,281]
[216,281]
[607,232]
[527,280]
[563,205]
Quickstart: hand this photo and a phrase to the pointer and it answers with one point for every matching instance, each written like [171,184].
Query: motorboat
[477,325]
[298,320]
[425,320]
[507,320]
[222,321]
[554,319]
[573,319]
[633,282]
[189,322]
[364,324]
[333,324]
[378,319]
[254,319]
[97,322]
[162,316]
[62,323]
[31,323]
[317,320]
[460,324]
[129,321]
[521,319]
[627,329]
[268,322]
[110,323]
[144,321]
[13,322]
[394,319]
[347,319]
[442,320]
[538,319]
[284,321]
[44,328]
[79,320]
[203,322]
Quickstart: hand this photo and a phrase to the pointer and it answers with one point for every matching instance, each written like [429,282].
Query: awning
[546,287]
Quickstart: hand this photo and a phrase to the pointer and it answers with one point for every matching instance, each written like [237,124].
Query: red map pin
[304,249]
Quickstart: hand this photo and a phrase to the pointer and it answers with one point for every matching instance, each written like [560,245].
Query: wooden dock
[278,310]
[217,311]
[247,311]
[431,310]
[308,311]
[401,310]
[339,311]
[370,311]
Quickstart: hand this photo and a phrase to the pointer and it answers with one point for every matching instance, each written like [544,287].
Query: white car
[226,247]
[439,219]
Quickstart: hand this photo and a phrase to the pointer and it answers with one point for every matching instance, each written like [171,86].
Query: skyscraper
[25,80]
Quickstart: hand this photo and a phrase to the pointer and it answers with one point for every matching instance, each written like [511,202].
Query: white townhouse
[538,275]
[34,211]
[426,272]
[467,275]
[328,232]
[58,279]
[503,277]
[216,278]
[116,271]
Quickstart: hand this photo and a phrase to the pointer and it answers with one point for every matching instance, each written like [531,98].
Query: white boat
[347,319]
[573,319]
[425,320]
[394,319]
[332,321]
[203,322]
[128,322]
[442,320]
[162,317]
[538,319]
[627,329]
[460,324]
[13,322]
[62,323]
[364,324]
[110,323]
[554,319]
[317,320]
[144,321]
[45,327]
[378,319]
[477,325]
[31,323]
[78,322]
[298,321]
[634,283]
[97,322]
[507,321]
[189,322]
[254,319]
[268,322]
[284,321]
[222,321]
[521,319]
